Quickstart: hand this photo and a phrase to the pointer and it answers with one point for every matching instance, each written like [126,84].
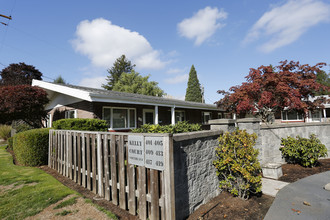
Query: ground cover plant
[180,127]
[237,164]
[303,151]
[26,191]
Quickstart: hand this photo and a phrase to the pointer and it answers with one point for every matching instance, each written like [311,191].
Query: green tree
[323,78]
[59,80]
[193,92]
[135,83]
[121,65]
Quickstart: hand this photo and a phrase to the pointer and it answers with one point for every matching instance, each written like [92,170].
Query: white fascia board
[131,101]
[77,93]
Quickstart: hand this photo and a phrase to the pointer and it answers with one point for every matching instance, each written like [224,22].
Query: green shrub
[81,124]
[31,147]
[179,127]
[10,143]
[5,131]
[237,164]
[302,151]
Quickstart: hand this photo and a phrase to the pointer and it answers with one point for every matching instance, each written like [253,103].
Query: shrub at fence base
[31,147]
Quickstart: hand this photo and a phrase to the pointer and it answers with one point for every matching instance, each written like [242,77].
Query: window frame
[286,117]
[67,113]
[110,127]
[203,117]
[146,110]
[180,112]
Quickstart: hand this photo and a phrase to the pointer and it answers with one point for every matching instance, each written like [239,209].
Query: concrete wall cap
[248,120]
[221,121]
[196,134]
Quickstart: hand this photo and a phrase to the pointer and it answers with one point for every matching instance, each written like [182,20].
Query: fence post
[49,148]
[99,164]
[169,178]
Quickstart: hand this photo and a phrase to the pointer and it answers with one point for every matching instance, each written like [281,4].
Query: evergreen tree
[59,80]
[193,92]
[121,65]
[135,83]
[323,78]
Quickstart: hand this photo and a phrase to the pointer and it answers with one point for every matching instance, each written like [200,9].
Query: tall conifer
[193,92]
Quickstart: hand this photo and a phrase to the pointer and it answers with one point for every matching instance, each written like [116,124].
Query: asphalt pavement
[305,199]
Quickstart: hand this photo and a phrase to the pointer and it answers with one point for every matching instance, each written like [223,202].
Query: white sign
[135,147]
[154,153]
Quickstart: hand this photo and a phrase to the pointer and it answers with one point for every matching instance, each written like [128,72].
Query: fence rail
[98,161]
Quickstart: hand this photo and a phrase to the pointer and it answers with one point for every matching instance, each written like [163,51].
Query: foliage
[59,80]
[39,190]
[271,89]
[23,127]
[5,132]
[135,83]
[23,102]
[31,147]
[323,78]
[303,151]
[180,127]
[237,164]
[121,65]
[10,142]
[193,92]
[81,124]
[19,74]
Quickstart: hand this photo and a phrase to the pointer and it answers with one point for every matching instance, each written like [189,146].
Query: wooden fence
[98,161]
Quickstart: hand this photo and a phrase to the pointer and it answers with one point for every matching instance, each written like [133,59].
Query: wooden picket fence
[98,161]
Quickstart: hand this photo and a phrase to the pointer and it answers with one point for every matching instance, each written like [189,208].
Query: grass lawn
[26,191]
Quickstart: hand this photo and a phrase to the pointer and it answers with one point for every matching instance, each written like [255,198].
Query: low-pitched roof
[102,95]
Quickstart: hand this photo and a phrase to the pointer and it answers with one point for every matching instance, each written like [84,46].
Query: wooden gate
[98,161]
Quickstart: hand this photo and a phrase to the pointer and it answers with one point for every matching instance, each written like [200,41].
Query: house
[318,115]
[122,111]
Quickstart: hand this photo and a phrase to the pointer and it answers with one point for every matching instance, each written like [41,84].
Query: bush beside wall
[31,147]
[81,124]
[180,127]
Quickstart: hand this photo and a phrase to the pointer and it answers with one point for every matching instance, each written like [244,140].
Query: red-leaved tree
[23,102]
[270,89]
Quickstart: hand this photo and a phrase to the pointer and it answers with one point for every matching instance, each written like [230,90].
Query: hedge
[31,147]
[81,124]
[180,127]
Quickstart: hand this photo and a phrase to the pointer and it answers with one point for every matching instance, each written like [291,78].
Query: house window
[179,116]
[206,117]
[148,116]
[70,114]
[292,116]
[220,116]
[119,118]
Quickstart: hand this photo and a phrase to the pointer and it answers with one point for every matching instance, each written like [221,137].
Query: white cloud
[176,70]
[103,42]
[177,79]
[285,24]
[93,82]
[202,25]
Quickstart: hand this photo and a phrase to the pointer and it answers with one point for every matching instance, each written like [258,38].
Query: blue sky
[223,39]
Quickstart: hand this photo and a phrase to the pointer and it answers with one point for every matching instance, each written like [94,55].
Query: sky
[223,39]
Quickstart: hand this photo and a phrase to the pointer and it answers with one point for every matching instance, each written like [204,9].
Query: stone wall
[196,181]
[269,140]
[269,136]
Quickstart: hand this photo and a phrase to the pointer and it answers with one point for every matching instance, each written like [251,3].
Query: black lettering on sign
[149,162]
[148,142]
[159,143]
[159,163]
[135,143]
[159,153]
[149,152]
